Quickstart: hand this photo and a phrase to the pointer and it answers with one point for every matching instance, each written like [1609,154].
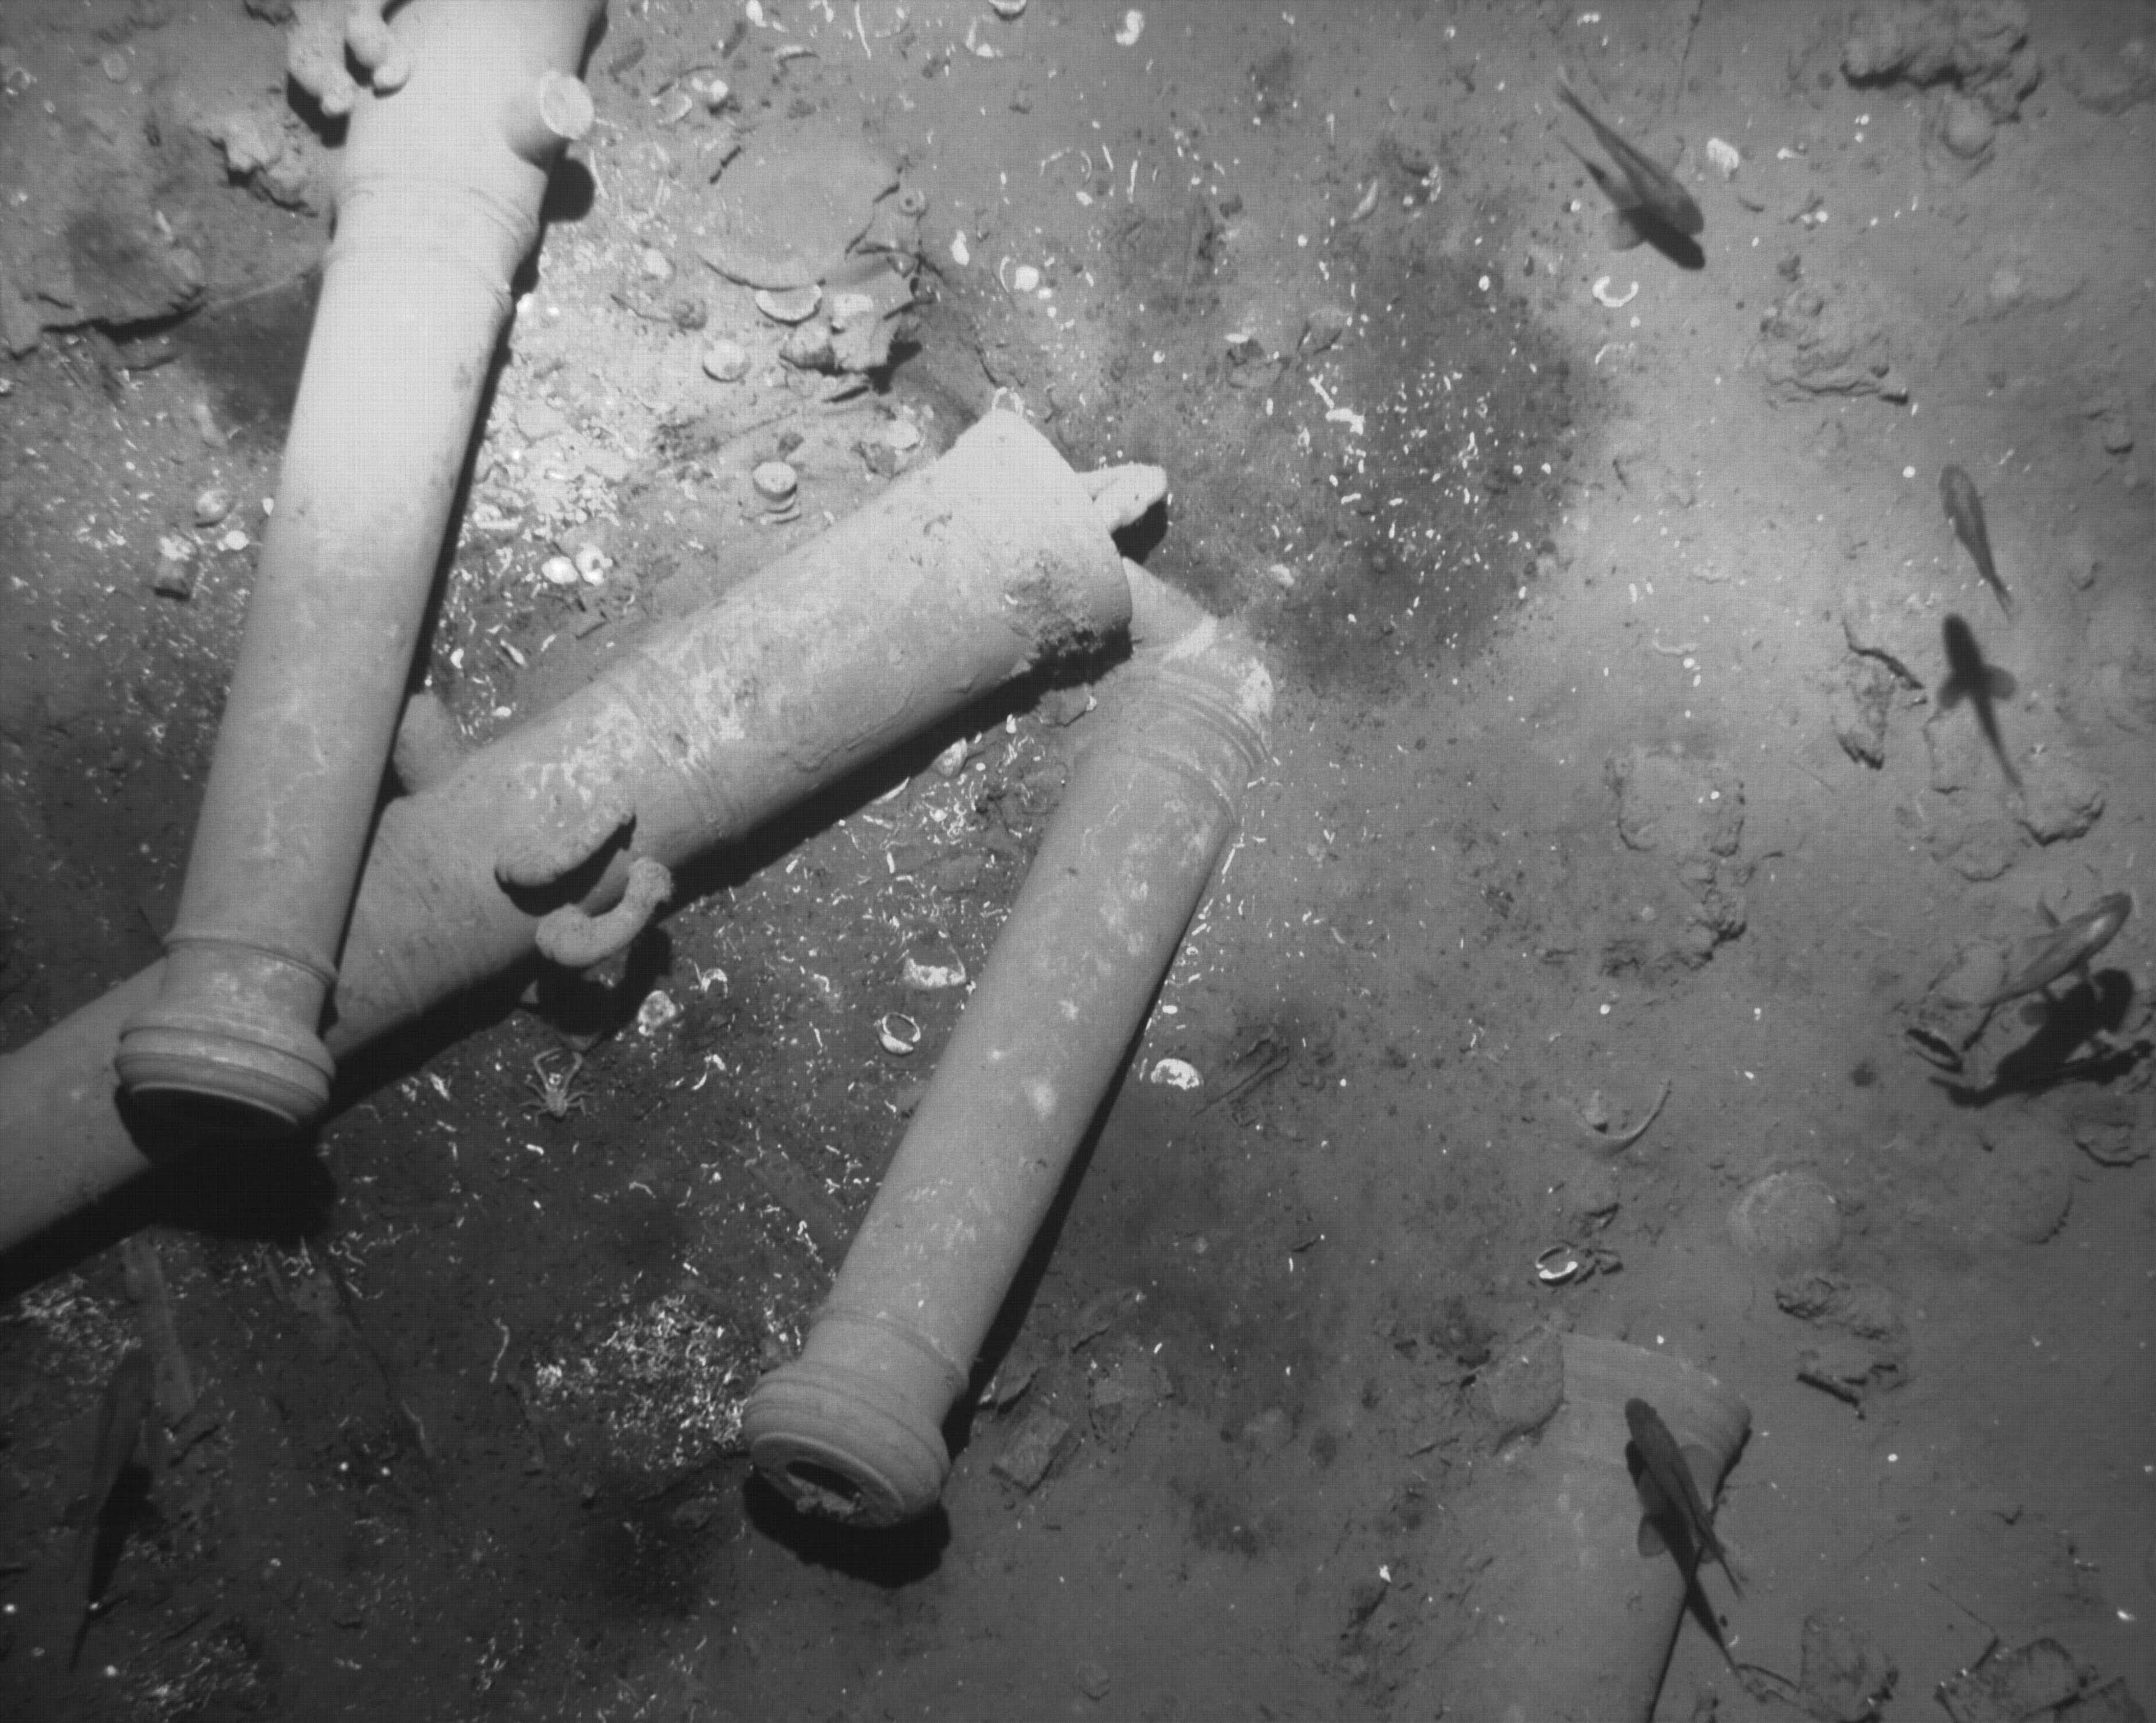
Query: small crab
[553,1085]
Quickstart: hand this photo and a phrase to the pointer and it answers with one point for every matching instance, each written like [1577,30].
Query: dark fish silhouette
[128,1430]
[1968,678]
[1644,194]
[1965,509]
[1670,1495]
[2042,958]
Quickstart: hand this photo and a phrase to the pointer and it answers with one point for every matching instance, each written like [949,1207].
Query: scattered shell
[959,253]
[726,361]
[789,305]
[175,578]
[1724,157]
[1006,8]
[1024,279]
[715,93]
[902,434]
[211,506]
[952,761]
[655,1013]
[558,571]
[899,1033]
[1789,1219]
[1176,1074]
[775,482]
[654,265]
[591,565]
[1132,28]
[933,978]
[235,540]
[175,548]
[1603,296]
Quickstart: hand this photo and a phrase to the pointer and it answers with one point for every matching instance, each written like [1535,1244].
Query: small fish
[127,1430]
[2042,958]
[1645,194]
[1671,1493]
[1965,509]
[1968,678]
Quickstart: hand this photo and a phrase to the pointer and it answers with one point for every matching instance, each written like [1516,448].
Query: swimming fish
[1671,1494]
[1645,194]
[1968,678]
[126,1428]
[2042,958]
[1965,509]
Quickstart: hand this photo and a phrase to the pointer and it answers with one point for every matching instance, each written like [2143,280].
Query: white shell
[1176,1074]
[952,761]
[775,482]
[592,564]
[1024,279]
[1006,8]
[933,978]
[899,1033]
[1133,27]
[789,305]
[655,1013]
[726,361]
[558,571]
[1724,156]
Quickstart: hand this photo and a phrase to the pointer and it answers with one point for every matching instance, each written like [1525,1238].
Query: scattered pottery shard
[788,209]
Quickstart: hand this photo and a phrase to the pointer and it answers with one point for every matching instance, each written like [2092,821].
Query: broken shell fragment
[775,482]
[591,564]
[1558,1264]
[789,305]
